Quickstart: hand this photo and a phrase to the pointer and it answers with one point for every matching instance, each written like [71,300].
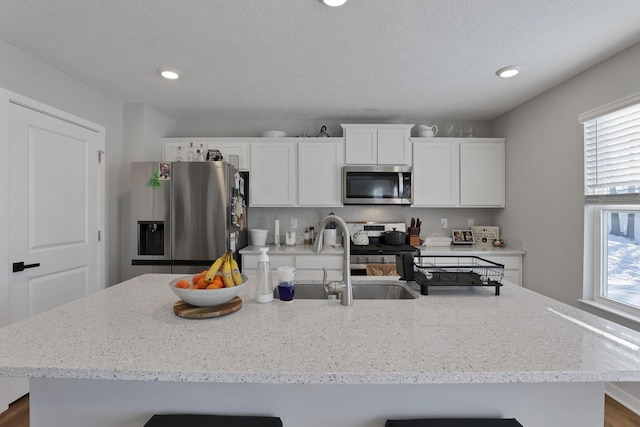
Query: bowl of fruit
[215,286]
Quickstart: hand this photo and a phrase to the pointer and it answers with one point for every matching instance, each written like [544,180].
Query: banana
[235,272]
[226,272]
[214,268]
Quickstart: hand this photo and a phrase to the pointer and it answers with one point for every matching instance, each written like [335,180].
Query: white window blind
[612,154]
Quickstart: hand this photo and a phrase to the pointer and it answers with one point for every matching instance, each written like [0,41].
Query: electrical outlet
[294,223]
[443,223]
[470,223]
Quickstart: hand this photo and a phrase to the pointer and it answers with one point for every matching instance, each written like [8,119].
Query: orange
[202,284]
[216,284]
[183,284]
[197,278]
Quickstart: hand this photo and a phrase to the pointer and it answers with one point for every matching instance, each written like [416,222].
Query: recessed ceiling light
[169,73]
[334,3]
[507,72]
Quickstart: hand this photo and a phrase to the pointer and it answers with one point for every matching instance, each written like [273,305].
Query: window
[612,207]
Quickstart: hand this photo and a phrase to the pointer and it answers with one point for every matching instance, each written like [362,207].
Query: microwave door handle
[400,184]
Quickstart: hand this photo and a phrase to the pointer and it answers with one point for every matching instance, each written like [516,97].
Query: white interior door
[53,214]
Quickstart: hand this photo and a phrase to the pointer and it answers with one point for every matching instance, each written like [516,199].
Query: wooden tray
[188,311]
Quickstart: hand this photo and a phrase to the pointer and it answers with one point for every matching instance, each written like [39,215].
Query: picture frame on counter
[462,237]
[485,234]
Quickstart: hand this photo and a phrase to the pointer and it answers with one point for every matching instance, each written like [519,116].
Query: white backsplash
[310,217]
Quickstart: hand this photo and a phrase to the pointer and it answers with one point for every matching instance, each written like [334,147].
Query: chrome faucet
[344,288]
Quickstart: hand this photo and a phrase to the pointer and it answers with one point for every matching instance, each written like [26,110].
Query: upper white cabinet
[459,172]
[320,172]
[284,171]
[231,146]
[436,178]
[274,173]
[382,144]
[482,174]
[226,146]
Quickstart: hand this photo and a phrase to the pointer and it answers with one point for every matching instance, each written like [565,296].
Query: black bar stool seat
[455,422]
[200,420]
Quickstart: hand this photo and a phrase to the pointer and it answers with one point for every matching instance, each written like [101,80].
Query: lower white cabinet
[307,265]
[512,261]
[512,266]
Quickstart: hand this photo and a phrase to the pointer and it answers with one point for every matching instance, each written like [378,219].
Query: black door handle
[20,266]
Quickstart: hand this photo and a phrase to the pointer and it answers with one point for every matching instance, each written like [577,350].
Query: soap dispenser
[264,282]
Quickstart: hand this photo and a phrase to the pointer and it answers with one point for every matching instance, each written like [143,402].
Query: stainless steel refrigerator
[184,215]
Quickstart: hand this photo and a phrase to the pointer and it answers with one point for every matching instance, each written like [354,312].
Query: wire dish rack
[454,270]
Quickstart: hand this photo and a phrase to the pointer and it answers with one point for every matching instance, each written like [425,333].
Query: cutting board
[182,309]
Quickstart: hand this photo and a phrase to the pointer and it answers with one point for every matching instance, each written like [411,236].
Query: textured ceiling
[299,59]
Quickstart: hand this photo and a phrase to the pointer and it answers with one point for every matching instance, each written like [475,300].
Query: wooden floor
[615,415]
[17,415]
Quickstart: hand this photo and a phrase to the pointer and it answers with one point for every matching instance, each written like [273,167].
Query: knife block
[413,236]
[414,240]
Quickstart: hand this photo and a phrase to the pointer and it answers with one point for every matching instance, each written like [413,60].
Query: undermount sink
[389,291]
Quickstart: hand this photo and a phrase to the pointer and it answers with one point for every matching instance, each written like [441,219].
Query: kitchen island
[119,356]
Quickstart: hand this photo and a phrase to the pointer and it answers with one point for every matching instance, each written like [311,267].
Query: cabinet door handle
[20,266]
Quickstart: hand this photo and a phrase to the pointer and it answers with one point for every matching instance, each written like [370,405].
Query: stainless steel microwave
[377,185]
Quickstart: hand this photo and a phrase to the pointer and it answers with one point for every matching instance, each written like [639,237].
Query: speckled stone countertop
[462,335]
[474,250]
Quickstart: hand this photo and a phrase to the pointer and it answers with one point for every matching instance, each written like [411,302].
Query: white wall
[430,217]
[544,157]
[144,128]
[545,181]
[28,76]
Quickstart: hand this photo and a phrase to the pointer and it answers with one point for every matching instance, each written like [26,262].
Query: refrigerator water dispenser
[150,237]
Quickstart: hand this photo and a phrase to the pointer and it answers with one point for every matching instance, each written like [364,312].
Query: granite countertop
[475,250]
[461,335]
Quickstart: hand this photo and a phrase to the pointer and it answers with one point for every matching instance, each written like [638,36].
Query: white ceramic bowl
[274,134]
[206,297]
[258,236]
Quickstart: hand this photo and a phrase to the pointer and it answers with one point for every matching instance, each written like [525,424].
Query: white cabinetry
[436,179]
[511,260]
[230,146]
[512,266]
[458,172]
[382,144]
[320,173]
[305,265]
[274,173]
[284,171]
[171,148]
[226,146]
[482,172]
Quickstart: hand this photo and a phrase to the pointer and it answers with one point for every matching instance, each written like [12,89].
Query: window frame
[595,253]
[596,249]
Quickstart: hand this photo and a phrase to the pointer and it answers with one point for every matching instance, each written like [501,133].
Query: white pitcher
[428,131]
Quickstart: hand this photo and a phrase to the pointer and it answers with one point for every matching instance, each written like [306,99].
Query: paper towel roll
[329,237]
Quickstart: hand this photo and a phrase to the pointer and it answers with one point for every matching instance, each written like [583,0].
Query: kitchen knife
[413,222]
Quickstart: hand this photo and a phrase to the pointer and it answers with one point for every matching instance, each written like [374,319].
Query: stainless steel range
[376,258]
